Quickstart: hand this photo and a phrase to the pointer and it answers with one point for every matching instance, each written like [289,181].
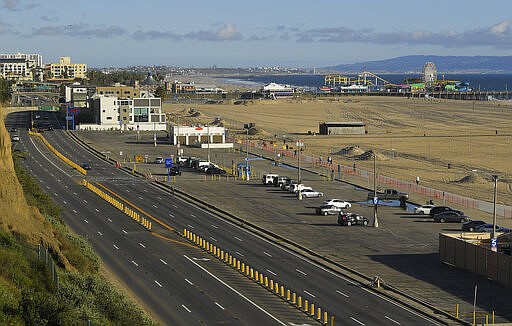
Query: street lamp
[495,179]
[247,126]
[300,143]
[208,132]
[375,198]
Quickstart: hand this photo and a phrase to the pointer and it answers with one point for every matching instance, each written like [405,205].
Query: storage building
[342,128]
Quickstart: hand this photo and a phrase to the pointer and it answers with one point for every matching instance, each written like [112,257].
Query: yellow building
[65,70]
[118,90]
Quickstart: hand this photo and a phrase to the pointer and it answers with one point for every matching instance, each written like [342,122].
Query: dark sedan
[451,216]
[471,225]
[439,209]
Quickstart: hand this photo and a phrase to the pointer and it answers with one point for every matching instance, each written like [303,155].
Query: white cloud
[500,28]
[228,32]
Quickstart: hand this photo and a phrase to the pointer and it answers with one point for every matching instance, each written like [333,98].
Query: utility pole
[247,173]
[300,143]
[208,132]
[375,198]
[494,245]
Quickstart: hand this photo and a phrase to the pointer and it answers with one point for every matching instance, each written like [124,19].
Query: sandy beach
[412,137]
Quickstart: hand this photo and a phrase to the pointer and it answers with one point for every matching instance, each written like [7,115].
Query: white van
[268,179]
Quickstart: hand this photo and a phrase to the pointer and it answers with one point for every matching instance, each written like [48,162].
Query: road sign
[494,244]
[168,162]
[375,200]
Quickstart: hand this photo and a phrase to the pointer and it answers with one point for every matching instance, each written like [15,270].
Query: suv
[338,203]
[451,216]
[439,209]
[268,179]
[159,160]
[350,219]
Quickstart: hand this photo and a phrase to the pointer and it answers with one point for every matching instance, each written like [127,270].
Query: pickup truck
[390,194]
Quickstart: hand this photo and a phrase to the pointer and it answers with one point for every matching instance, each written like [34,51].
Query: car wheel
[349,223]
[421,213]
[346,206]
[365,223]
[325,213]
[441,220]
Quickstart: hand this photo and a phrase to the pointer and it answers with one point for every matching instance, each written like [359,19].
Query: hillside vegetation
[28,296]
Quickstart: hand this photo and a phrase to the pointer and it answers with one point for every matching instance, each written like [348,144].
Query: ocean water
[484,82]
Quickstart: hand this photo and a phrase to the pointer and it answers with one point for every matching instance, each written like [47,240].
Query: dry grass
[412,137]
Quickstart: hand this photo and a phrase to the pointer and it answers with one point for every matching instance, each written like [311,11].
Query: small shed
[342,128]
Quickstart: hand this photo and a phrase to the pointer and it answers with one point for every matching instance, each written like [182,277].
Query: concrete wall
[474,258]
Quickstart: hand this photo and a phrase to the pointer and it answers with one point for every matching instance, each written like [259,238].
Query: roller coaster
[365,78]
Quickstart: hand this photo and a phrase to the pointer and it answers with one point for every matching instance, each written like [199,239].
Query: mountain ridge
[444,64]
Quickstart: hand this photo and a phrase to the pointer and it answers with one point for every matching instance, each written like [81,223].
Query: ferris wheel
[429,73]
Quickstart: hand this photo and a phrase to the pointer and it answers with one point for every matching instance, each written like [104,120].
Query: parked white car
[310,193]
[338,203]
[423,209]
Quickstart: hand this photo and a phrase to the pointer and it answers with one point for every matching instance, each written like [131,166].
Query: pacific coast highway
[180,283]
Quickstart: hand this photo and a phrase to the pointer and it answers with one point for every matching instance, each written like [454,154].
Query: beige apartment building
[65,70]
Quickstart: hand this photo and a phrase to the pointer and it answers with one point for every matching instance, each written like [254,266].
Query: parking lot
[402,251]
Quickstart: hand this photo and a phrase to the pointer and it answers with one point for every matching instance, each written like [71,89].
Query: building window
[109,118]
[141,115]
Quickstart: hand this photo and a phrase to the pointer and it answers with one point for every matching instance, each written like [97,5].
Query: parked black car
[451,216]
[86,166]
[439,209]
[175,170]
[350,219]
[470,226]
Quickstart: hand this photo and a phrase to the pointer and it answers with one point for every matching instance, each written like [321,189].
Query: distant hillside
[444,64]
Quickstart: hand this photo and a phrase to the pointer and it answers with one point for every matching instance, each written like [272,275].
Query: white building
[114,113]
[21,66]
[201,136]
[278,90]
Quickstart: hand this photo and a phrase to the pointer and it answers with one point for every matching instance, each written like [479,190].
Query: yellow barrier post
[238,265]
[456,310]
[319,314]
[271,285]
[242,268]
[326,319]
[294,298]
[266,282]
[261,278]
[306,305]
[276,289]
[288,295]
[282,291]
[256,276]
[312,312]
[252,273]
[247,268]
[299,302]
[332,320]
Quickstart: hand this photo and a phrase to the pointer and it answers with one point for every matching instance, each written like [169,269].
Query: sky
[226,33]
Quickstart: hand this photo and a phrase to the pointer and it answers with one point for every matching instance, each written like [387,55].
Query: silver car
[328,210]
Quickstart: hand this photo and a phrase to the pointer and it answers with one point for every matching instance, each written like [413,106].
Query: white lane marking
[157,283]
[65,202]
[239,254]
[74,211]
[100,233]
[86,221]
[190,226]
[185,307]
[159,197]
[155,206]
[215,226]
[127,190]
[142,245]
[66,187]
[213,239]
[357,321]
[266,253]
[343,294]
[189,282]
[171,215]
[140,198]
[85,201]
[144,190]
[239,239]
[309,293]
[221,307]
[109,220]
[232,289]
[192,215]
[74,193]
[268,270]
[124,231]
[37,148]
[58,180]
[116,247]
[56,194]
[391,319]
[298,270]
[163,261]
[135,263]
[97,210]
[174,206]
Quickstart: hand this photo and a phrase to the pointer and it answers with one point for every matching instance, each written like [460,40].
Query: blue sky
[228,33]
